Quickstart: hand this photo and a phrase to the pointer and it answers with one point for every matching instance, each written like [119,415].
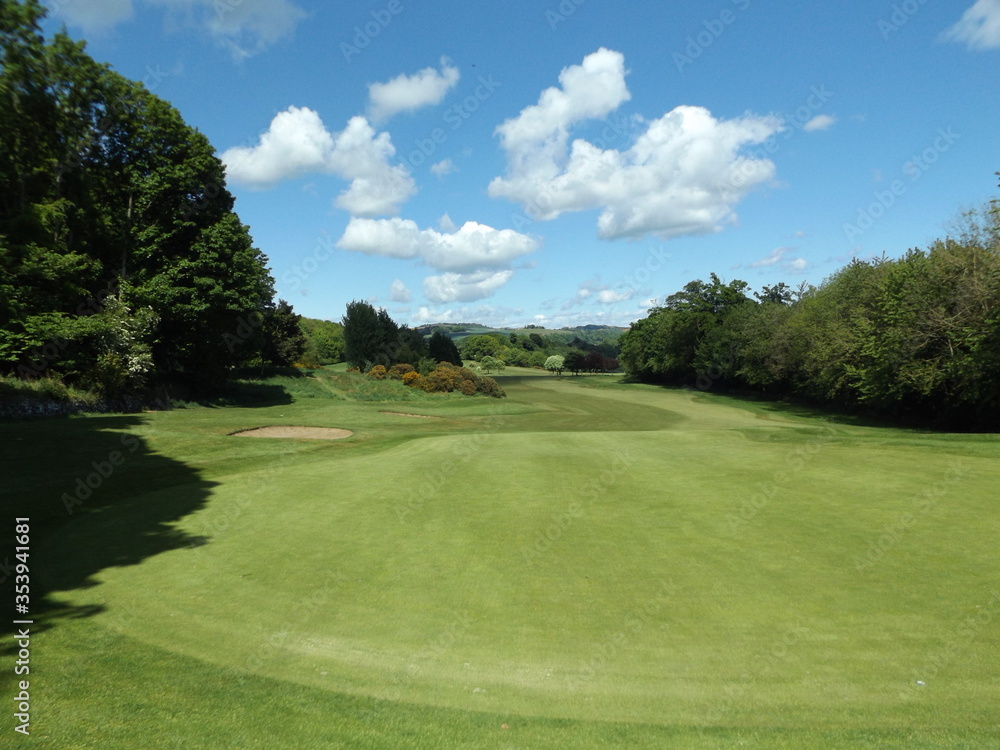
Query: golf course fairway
[584,564]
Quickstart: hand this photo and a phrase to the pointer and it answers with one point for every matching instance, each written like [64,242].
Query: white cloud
[589,90]
[777,256]
[611,297]
[399,292]
[682,176]
[819,122]
[603,294]
[797,264]
[444,167]
[297,143]
[475,257]
[464,287]
[95,16]
[474,247]
[771,260]
[979,27]
[408,93]
[244,27]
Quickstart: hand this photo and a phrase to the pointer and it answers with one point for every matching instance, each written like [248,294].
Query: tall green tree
[441,348]
[284,341]
[360,323]
[107,194]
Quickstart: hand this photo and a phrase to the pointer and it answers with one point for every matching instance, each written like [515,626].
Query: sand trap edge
[291,431]
[405,414]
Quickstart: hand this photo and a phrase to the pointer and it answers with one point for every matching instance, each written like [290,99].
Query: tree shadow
[96,496]
[248,394]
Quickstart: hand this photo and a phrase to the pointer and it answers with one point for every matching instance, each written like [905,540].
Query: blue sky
[565,163]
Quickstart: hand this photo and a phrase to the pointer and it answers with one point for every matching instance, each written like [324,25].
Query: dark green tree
[360,334]
[106,194]
[284,341]
[442,349]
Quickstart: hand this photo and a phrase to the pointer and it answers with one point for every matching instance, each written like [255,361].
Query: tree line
[123,262]
[912,338]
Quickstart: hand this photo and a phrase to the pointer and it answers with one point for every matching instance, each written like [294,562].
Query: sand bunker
[311,433]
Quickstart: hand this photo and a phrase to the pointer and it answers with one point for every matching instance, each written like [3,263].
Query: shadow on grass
[248,394]
[96,496]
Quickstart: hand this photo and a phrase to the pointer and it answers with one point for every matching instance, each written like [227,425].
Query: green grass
[592,564]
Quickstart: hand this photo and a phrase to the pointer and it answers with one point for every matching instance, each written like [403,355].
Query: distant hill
[592,334]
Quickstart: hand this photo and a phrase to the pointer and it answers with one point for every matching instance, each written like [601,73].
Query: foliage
[484,345]
[555,364]
[378,372]
[284,341]
[490,364]
[114,222]
[914,337]
[400,371]
[372,337]
[361,334]
[447,378]
[324,341]
[441,348]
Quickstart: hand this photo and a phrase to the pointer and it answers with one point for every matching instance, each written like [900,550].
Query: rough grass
[589,563]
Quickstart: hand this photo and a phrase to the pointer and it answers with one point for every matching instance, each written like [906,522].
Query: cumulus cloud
[473,247]
[244,27]
[399,293]
[979,26]
[443,167]
[682,176]
[602,294]
[445,224]
[93,17]
[464,287]
[408,93]
[475,257]
[611,297]
[538,135]
[297,143]
[819,122]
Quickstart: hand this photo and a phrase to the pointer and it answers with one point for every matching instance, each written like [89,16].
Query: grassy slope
[592,564]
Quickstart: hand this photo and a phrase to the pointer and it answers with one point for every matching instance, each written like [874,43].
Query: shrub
[377,372]
[399,371]
[412,379]
[468,387]
[489,387]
